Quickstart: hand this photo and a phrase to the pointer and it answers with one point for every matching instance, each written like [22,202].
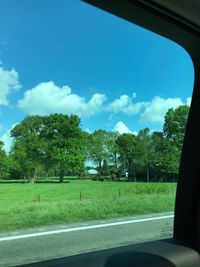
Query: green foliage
[64,146]
[27,147]
[175,124]
[113,149]
[56,145]
[127,148]
[98,147]
[144,152]
[104,171]
[54,141]
[4,163]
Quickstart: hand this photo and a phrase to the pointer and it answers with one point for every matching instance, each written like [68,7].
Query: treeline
[55,145]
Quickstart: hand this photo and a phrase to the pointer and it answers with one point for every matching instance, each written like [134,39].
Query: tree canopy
[57,144]
[54,141]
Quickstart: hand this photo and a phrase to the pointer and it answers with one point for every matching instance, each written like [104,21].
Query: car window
[93,115]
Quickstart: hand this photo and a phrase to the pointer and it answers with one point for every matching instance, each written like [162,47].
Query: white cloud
[151,111]
[9,81]
[156,109]
[122,128]
[133,109]
[125,104]
[48,98]
[118,104]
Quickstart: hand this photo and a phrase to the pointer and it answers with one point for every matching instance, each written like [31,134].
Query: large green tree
[64,144]
[127,150]
[54,141]
[175,124]
[27,147]
[98,150]
[144,151]
[165,157]
[113,149]
[174,131]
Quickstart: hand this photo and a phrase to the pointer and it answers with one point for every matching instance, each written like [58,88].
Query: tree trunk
[61,179]
[134,175]
[47,173]
[33,175]
[130,176]
[100,161]
[147,173]
[115,160]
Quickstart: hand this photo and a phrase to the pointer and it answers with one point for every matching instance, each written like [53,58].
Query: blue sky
[70,57]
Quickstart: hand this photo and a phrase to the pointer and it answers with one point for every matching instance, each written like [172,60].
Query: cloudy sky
[69,57]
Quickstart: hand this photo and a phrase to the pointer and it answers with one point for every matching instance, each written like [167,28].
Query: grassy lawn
[31,205]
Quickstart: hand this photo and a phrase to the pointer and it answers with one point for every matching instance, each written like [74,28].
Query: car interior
[179,21]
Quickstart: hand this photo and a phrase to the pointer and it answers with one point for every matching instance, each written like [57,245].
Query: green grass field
[31,205]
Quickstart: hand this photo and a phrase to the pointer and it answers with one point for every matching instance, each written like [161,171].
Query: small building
[92,172]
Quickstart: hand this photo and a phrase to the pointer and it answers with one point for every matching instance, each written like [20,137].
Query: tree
[98,147]
[27,147]
[104,171]
[113,149]
[4,163]
[175,124]
[170,160]
[157,154]
[127,148]
[54,141]
[144,150]
[174,131]
[165,156]
[64,147]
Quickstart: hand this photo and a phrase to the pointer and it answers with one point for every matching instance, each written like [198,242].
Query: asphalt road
[21,247]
